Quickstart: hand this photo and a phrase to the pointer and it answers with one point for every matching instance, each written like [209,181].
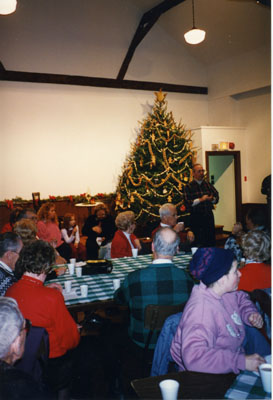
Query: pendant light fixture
[7,6]
[194,36]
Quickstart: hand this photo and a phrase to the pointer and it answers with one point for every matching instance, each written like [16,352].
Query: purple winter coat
[211,331]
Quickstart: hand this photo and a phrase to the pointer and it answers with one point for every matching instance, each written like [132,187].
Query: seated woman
[45,307]
[99,229]
[211,333]
[48,230]
[27,230]
[124,240]
[255,220]
[256,274]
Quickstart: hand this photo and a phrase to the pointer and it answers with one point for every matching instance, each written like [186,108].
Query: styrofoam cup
[134,252]
[193,250]
[79,271]
[71,268]
[169,389]
[116,283]
[84,290]
[72,261]
[67,286]
[265,372]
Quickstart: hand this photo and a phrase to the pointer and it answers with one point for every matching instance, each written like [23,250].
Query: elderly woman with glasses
[45,307]
[125,240]
[14,383]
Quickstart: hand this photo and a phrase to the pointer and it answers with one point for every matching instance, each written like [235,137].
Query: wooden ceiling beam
[36,77]
[146,23]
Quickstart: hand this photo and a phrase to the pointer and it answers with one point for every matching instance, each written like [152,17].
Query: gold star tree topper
[160,95]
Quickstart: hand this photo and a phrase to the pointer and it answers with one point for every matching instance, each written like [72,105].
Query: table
[247,386]
[100,286]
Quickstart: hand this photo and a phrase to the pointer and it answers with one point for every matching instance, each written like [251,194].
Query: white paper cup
[169,389]
[72,261]
[71,268]
[265,372]
[84,290]
[181,224]
[116,283]
[193,250]
[79,271]
[134,252]
[67,286]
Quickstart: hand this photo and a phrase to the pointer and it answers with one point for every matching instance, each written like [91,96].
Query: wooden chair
[154,318]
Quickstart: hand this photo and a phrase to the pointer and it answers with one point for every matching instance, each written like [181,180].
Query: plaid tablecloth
[100,287]
[247,386]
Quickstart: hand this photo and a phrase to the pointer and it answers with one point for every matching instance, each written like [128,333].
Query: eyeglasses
[27,326]
[17,252]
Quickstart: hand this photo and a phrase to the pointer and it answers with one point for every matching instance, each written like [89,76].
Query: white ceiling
[232,26]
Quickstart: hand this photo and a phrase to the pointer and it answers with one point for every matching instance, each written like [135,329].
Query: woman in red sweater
[45,307]
[124,240]
[256,274]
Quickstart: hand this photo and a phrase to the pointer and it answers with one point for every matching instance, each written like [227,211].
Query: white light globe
[7,6]
[195,36]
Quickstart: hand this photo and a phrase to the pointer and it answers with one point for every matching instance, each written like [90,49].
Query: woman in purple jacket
[211,333]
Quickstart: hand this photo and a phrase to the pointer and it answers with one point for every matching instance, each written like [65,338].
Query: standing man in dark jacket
[200,196]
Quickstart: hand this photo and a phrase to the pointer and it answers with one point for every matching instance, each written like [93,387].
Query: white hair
[12,322]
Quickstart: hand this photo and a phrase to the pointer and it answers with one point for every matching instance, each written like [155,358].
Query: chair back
[154,318]
[36,353]
[155,315]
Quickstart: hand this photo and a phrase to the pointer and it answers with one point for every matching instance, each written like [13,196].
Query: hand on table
[253,361]
[256,320]
[56,286]
[60,271]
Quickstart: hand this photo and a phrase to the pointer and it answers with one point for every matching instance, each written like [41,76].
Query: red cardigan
[120,246]
[255,276]
[45,307]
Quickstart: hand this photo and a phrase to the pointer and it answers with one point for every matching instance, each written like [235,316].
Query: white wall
[62,140]
[239,95]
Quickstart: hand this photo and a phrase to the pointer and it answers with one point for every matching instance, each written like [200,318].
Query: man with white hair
[14,383]
[161,282]
[168,217]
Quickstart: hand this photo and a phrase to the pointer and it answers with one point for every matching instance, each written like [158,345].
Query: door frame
[237,176]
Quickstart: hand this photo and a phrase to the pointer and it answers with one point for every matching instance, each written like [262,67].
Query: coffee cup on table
[79,272]
[134,252]
[169,389]
[265,373]
[67,286]
[71,268]
[72,261]
[193,250]
[84,290]
[116,283]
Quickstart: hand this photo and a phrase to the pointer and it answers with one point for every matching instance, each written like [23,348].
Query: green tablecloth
[100,287]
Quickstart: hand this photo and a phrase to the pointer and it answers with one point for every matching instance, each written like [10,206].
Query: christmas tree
[158,167]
